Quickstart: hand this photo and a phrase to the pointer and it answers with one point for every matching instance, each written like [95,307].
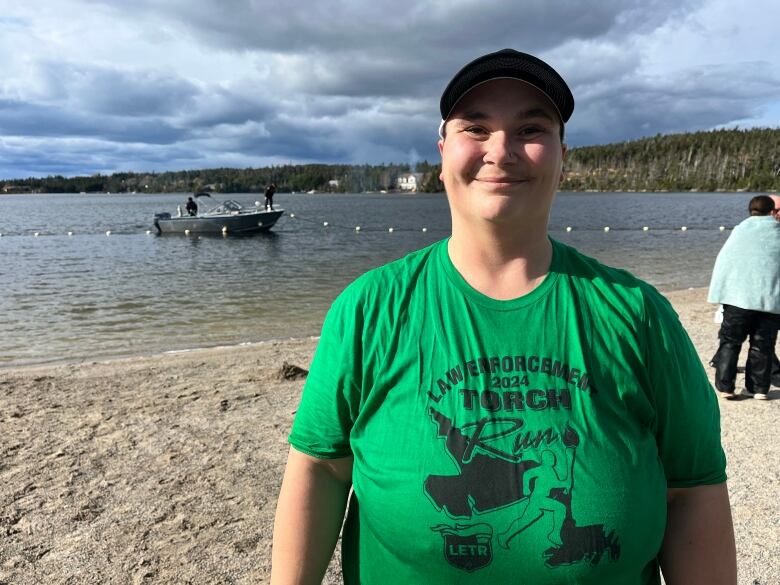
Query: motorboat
[209,216]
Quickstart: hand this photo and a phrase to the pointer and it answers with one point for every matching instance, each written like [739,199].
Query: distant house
[410,182]
[11,188]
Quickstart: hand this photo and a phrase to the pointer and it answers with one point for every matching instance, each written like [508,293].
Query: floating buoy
[324,224]
[683,229]
[357,228]
[148,232]
[257,204]
[108,232]
[606,228]
[645,229]
[568,228]
[186,232]
[292,215]
[70,233]
[224,229]
[390,230]
[35,234]
[722,228]
[425,229]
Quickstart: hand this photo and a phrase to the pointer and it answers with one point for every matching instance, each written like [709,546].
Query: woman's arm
[309,514]
[698,547]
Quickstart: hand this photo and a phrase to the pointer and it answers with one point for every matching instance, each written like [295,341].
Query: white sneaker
[761,396]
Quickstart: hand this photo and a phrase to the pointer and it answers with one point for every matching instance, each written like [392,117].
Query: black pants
[739,324]
[775,377]
[776,371]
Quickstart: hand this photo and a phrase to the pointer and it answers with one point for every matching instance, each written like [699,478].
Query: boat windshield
[228,206]
[207,205]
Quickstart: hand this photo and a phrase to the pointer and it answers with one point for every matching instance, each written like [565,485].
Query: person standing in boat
[269,196]
[191,207]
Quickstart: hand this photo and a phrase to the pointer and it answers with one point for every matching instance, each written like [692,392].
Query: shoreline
[165,468]
[125,357]
[229,346]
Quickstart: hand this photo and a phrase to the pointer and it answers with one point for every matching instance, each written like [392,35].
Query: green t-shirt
[522,441]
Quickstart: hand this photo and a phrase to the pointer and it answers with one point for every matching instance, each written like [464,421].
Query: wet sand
[165,469]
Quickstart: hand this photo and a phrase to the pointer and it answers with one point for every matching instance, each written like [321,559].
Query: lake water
[93,296]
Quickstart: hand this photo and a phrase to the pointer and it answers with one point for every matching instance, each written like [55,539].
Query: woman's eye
[529,130]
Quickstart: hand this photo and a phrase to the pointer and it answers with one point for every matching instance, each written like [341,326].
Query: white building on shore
[410,182]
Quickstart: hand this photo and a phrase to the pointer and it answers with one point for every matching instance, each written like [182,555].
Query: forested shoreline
[719,160]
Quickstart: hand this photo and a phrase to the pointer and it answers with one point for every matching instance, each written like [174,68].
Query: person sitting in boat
[191,206]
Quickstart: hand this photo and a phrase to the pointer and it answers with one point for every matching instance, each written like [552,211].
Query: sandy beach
[165,469]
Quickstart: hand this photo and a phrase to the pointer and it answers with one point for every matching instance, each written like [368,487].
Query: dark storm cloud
[220,106]
[684,101]
[388,27]
[249,82]
[390,48]
[19,118]
[69,157]
[122,106]
[39,162]
[109,91]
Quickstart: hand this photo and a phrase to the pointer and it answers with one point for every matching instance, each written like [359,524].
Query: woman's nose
[499,149]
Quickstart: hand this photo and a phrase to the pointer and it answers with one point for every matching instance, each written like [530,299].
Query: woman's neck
[501,267]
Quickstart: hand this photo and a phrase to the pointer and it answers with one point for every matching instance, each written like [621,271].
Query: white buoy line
[645,228]
[71,233]
[357,228]
[391,229]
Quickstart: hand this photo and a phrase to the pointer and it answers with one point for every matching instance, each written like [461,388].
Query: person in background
[443,378]
[775,361]
[746,281]
[776,201]
[269,196]
[191,207]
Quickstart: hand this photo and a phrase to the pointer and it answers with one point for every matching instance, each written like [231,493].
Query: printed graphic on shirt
[502,463]
[508,378]
[467,547]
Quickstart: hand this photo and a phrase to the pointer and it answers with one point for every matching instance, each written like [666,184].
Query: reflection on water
[90,295]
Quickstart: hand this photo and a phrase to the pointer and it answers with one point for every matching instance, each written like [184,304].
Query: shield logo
[467,547]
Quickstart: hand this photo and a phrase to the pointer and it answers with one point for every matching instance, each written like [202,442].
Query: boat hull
[243,223]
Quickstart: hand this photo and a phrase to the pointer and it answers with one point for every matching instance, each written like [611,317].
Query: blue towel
[747,270]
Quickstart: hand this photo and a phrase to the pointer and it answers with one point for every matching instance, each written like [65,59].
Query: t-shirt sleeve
[687,425]
[331,394]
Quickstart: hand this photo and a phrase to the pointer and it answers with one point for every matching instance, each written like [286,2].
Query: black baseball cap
[508,63]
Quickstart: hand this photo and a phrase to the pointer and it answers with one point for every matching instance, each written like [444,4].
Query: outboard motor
[159,216]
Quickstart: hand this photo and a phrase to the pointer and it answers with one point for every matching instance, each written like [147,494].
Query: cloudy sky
[90,86]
